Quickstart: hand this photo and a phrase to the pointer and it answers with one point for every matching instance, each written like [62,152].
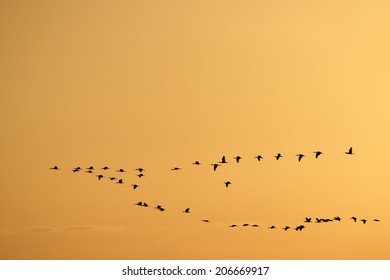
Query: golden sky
[160,84]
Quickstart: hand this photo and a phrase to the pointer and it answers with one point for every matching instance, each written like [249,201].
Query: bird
[259,157]
[300,228]
[135,186]
[237,158]
[278,156]
[112,178]
[100,176]
[105,168]
[90,168]
[255,225]
[159,207]
[286,228]
[120,170]
[75,170]
[139,203]
[196,162]
[376,220]
[55,167]
[140,175]
[349,152]
[175,168]
[232,225]
[140,169]
[227,183]
[89,171]
[223,160]
[206,221]
[145,205]
[364,221]
[300,156]
[307,220]
[245,225]
[272,227]
[354,219]
[337,218]
[319,220]
[215,165]
[318,153]
[187,210]
[162,209]
[120,181]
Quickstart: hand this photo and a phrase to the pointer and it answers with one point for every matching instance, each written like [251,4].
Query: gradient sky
[159,84]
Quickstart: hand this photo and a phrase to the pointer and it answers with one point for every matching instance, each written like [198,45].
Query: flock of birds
[237,158]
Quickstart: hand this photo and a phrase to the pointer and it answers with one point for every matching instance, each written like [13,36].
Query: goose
[318,153]
[349,152]
[278,156]
[237,158]
[259,157]
[55,167]
[300,156]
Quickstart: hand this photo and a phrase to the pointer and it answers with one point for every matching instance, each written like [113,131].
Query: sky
[161,84]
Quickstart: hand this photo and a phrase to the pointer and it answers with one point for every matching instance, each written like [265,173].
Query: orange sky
[159,84]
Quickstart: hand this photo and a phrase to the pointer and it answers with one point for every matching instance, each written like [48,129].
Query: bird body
[227,183]
[318,153]
[55,167]
[223,160]
[259,157]
[187,210]
[215,165]
[300,156]
[196,162]
[237,158]
[100,176]
[278,156]
[349,152]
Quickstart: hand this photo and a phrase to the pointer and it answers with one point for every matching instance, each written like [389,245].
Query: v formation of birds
[91,169]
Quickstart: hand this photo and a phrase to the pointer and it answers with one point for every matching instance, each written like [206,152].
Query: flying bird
[278,156]
[307,220]
[135,186]
[227,183]
[105,168]
[89,171]
[206,221]
[376,220]
[286,228]
[259,157]
[364,221]
[120,170]
[100,176]
[140,169]
[237,158]
[354,219]
[75,170]
[349,152]
[272,227]
[300,156]
[255,225]
[215,165]
[196,162]
[337,218]
[90,168]
[55,167]
[223,160]
[175,168]
[112,178]
[187,210]
[232,225]
[145,205]
[120,181]
[300,228]
[318,153]
[140,175]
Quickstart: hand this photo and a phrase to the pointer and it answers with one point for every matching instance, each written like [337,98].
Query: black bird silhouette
[76,170]
[140,169]
[215,165]
[337,218]
[300,156]
[286,228]
[232,225]
[90,168]
[237,158]
[319,220]
[318,153]
[272,227]
[139,203]
[255,225]
[140,175]
[259,157]
[105,168]
[307,220]
[245,225]
[364,221]
[145,205]
[278,156]
[100,176]
[187,210]
[223,160]
[112,178]
[159,207]
[175,168]
[227,183]
[349,152]
[206,221]
[120,181]
[354,219]
[55,167]
[120,170]
[196,162]
[135,186]
[89,171]
[376,220]
[300,228]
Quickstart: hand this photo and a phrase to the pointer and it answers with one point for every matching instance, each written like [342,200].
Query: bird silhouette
[140,169]
[259,157]
[337,218]
[286,228]
[227,183]
[175,168]
[272,227]
[349,152]
[120,170]
[135,186]
[112,178]
[307,220]
[187,210]
[255,225]
[76,170]
[245,225]
[363,221]
[145,204]
[140,175]
[278,156]
[376,220]
[223,160]
[105,168]
[237,158]
[120,181]
[90,168]
[89,171]
[206,221]
[215,165]
[300,156]
[55,167]
[232,225]
[300,228]
[196,162]
[100,176]
[318,153]
[139,203]
[354,219]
